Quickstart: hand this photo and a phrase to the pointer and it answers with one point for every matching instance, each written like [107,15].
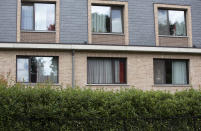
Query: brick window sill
[170,85]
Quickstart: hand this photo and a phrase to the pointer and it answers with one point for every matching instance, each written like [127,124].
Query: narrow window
[23,70]
[38,16]
[171,72]
[172,22]
[107,19]
[106,71]
[27,17]
[37,69]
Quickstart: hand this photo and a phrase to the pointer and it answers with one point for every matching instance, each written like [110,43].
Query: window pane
[179,72]
[177,23]
[101,19]
[106,71]
[44,69]
[100,71]
[22,70]
[45,17]
[116,20]
[27,18]
[163,22]
[159,72]
[168,70]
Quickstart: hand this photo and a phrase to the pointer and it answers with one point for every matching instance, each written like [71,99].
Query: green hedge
[44,108]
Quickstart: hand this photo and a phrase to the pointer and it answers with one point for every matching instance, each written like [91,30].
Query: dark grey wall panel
[8,20]
[74,21]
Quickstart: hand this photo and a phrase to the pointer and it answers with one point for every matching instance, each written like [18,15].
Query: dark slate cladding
[74,21]
[8,20]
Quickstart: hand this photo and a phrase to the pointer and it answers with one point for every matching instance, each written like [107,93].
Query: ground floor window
[174,72]
[106,71]
[32,69]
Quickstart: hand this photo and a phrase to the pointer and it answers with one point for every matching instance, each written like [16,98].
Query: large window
[106,71]
[37,69]
[107,19]
[38,16]
[172,22]
[171,72]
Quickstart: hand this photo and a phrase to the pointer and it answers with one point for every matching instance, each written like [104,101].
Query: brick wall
[36,37]
[108,39]
[139,67]
[173,41]
[8,63]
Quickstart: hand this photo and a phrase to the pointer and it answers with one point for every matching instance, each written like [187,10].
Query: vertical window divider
[168,21]
[111,18]
[34,28]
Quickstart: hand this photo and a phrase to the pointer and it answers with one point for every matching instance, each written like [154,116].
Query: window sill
[35,84]
[107,85]
[32,31]
[170,85]
[169,36]
[121,34]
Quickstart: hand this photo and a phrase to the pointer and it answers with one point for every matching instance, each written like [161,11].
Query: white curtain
[99,71]
[99,23]
[179,72]
[44,16]
[100,18]
[27,18]
[117,71]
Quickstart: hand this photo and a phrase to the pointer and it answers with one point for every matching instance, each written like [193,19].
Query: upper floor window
[172,22]
[38,16]
[107,19]
[37,69]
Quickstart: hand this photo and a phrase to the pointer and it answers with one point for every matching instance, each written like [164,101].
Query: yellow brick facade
[139,67]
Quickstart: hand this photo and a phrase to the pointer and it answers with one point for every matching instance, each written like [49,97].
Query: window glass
[177,23]
[22,70]
[163,22]
[45,17]
[170,72]
[116,20]
[41,69]
[106,71]
[27,18]
[101,19]
[46,69]
[171,22]
[106,19]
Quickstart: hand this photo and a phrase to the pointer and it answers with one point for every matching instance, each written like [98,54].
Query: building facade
[112,44]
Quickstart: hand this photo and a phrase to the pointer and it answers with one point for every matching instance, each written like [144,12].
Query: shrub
[45,108]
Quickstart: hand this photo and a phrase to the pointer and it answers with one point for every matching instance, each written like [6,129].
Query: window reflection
[177,23]
[23,70]
[171,22]
[163,22]
[116,20]
[41,69]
